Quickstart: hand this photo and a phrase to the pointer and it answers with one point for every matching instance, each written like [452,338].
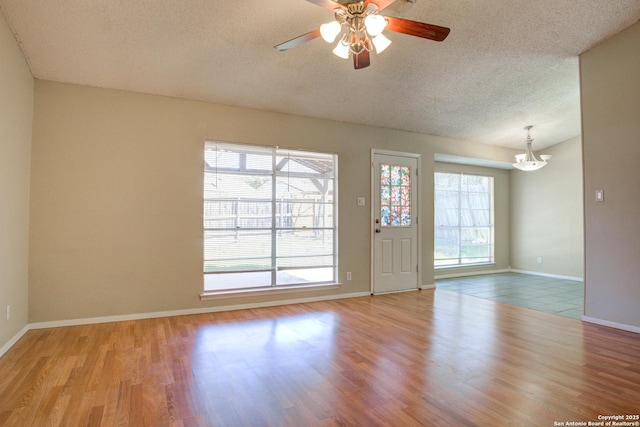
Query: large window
[463,219]
[269,217]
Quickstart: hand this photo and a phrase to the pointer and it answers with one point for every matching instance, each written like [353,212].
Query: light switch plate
[360,201]
[599,195]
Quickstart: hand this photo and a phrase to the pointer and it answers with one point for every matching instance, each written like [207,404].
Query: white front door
[395,241]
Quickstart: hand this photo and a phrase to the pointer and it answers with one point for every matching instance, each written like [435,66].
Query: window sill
[211,295]
[453,267]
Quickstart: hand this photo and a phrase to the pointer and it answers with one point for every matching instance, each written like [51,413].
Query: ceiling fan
[361,27]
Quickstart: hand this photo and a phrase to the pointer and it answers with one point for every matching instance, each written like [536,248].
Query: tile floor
[551,295]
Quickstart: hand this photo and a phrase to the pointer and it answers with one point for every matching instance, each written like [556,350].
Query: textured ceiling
[505,64]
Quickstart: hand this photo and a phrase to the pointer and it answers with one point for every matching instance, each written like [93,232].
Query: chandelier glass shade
[361,26]
[528,161]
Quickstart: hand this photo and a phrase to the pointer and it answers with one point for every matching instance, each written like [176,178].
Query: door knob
[378,230]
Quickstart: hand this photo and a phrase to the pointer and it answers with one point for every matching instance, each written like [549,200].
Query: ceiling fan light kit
[528,161]
[361,27]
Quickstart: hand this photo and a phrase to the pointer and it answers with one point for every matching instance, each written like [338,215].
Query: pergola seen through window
[269,217]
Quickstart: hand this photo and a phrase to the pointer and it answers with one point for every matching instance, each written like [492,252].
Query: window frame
[492,226]
[327,179]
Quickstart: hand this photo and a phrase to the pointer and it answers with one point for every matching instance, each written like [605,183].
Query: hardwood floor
[415,358]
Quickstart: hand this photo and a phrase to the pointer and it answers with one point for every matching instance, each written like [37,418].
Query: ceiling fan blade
[327,4]
[380,3]
[298,40]
[361,60]
[418,29]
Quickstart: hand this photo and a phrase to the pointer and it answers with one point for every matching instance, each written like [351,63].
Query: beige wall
[610,92]
[116,209]
[16,110]
[501,218]
[547,214]
[116,192]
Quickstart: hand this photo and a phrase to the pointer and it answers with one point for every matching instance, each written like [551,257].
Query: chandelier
[528,160]
[361,26]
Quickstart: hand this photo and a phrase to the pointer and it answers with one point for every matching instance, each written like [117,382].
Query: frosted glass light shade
[380,42]
[375,24]
[330,30]
[528,161]
[341,50]
[529,166]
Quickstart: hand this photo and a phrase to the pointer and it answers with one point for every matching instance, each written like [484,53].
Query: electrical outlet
[8,312]
[348,275]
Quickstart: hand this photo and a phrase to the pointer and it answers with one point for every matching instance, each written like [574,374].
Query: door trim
[372,227]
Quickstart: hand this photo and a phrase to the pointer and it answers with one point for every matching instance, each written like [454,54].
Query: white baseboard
[555,276]
[470,273]
[153,315]
[13,340]
[610,324]
[508,270]
[119,318]
[431,286]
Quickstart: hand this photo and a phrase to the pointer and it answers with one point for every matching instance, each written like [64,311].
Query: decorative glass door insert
[395,196]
